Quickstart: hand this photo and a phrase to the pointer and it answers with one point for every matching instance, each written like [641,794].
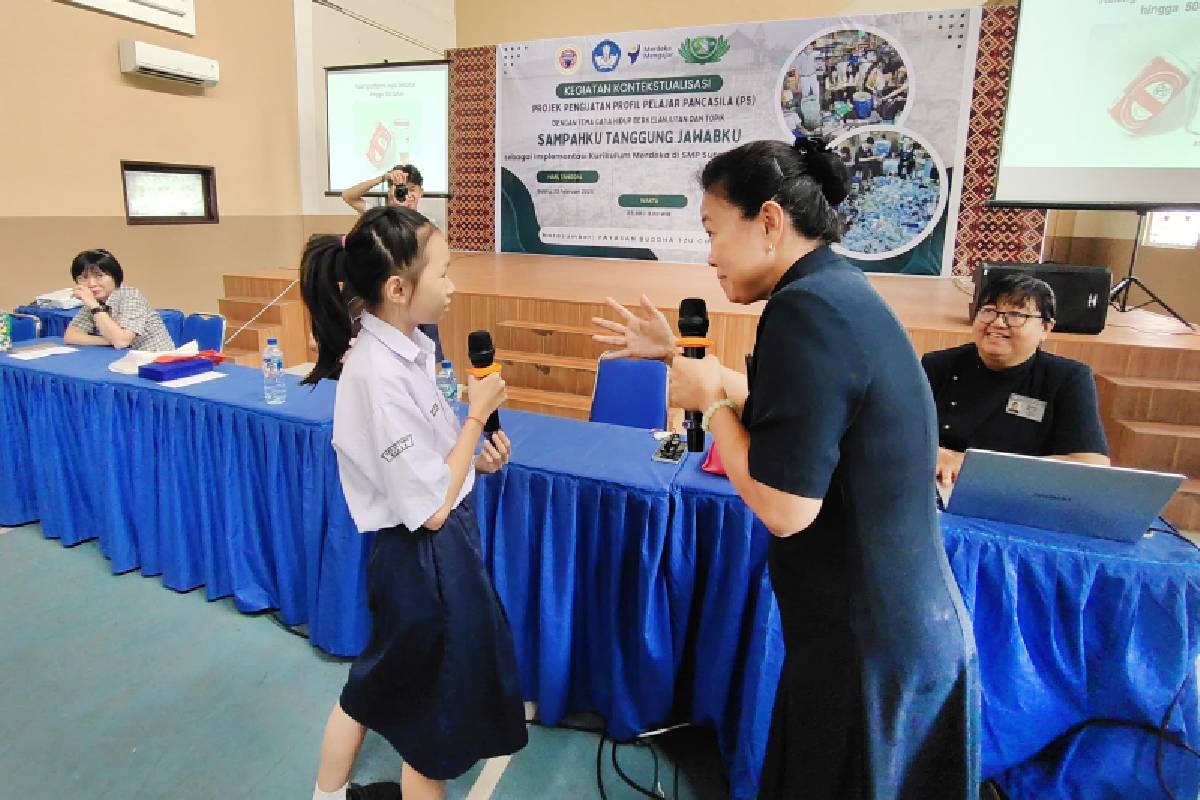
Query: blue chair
[173,318]
[24,327]
[207,329]
[630,392]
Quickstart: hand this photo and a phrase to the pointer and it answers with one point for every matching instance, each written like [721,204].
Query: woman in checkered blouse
[112,315]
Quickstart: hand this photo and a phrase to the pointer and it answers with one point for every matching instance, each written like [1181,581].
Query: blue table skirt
[204,486]
[1105,762]
[1071,629]
[734,650]
[56,320]
[575,533]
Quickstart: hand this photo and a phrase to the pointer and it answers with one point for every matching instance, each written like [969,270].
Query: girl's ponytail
[322,268]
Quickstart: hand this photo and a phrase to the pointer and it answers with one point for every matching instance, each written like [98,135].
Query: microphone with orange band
[482,353]
[693,327]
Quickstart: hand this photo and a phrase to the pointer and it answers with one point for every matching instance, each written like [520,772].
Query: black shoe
[384,790]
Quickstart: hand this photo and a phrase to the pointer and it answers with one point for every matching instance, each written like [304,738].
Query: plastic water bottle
[447,382]
[274,390]
[5,332]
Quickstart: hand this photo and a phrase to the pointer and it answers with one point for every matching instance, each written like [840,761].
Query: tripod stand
[1119,295]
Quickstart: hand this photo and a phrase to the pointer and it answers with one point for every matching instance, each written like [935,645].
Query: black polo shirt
[1044,407]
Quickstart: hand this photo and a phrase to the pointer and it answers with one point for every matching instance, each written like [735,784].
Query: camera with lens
[401,193]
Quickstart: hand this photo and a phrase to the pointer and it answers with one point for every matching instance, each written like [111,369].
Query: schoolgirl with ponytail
[437,678]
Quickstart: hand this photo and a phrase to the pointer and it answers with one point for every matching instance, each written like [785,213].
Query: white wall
[326,38]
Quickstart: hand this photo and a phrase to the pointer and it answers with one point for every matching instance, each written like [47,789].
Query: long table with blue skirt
[205,485]
[636,590]
[56,320]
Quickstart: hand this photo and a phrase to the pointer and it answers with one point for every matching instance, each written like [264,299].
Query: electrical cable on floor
[1161,734]
[643,740]
[630,782]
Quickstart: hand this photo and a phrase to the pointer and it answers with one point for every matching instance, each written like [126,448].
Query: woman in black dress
[831,441]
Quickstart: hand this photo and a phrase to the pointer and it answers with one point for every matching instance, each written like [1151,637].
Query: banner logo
[703,49]
[606,56]
[568,60]
[634,53]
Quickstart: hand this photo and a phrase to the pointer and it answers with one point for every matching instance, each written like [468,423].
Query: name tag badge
[1026,407]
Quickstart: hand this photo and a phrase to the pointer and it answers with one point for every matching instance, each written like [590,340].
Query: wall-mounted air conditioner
[159,62]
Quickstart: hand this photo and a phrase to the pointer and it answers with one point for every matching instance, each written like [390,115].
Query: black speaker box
[1080,293]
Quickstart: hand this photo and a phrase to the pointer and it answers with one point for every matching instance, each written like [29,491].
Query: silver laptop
[1105,502]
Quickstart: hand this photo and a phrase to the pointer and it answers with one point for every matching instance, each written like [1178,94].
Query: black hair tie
[818,160]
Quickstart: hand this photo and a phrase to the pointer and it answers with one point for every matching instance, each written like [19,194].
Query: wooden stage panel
[563,290]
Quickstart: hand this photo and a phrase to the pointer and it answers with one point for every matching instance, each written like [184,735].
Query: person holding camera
[405,186]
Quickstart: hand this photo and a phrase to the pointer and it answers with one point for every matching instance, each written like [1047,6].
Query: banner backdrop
[600,140]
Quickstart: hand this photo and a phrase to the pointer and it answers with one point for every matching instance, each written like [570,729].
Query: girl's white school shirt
[392,430]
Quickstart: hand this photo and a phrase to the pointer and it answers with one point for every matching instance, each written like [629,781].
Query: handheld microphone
[693,327]
[482,353]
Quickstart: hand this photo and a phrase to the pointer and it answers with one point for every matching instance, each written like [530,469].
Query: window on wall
[168,194]
[1173,229]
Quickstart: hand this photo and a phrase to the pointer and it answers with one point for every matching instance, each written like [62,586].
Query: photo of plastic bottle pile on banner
[897,192]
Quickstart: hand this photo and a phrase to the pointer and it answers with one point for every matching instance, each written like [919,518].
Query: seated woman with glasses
[1003,392]
[112,315]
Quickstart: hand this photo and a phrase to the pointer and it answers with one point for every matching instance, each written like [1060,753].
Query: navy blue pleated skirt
[438,678]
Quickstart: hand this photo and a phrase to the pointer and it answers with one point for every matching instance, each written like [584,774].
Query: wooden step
[254,336]
[549,373]
[550,337]
[558,362]
[1184,509]
[556,404]
[266,284]
[549,327]
[237,310]
[246,358]
[1149,399]
[1160,446]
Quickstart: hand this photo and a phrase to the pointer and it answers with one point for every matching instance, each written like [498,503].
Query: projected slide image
[1103,105]
[386,140]
[1143,98]
[384,134]
[842,80]
[384,116]
[897,192]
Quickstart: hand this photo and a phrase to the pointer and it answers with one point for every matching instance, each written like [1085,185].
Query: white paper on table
[191,380]
[62,298]
[40,352]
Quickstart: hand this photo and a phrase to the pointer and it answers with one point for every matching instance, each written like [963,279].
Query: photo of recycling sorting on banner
[845,79]
[601,139]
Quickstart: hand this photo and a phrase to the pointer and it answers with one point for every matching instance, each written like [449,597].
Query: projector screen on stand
[1103,106]
[381,115]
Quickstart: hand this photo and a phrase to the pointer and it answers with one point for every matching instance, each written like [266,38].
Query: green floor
[115,687]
